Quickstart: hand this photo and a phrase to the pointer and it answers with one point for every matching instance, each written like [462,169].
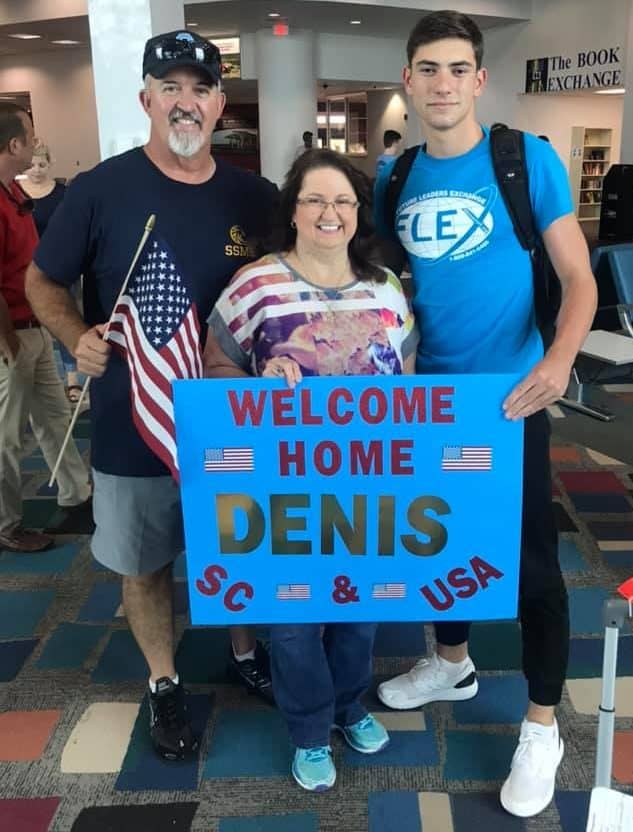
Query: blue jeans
[318,681]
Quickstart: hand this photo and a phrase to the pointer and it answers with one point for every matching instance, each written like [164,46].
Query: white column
[118,31]
[286,78]
[626,145]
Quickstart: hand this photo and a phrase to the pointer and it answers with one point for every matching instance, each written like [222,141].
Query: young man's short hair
[390,137]
[442,25]
[11,123]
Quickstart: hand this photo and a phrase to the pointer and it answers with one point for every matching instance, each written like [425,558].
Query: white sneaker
[529,787]
[430,680]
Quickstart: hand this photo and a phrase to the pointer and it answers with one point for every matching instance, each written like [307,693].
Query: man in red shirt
[29,384]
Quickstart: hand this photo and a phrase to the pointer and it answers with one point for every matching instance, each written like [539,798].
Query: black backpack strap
[399,174]
[508,160]
[392,253]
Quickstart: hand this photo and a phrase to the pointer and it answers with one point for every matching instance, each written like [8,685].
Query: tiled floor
[74,748]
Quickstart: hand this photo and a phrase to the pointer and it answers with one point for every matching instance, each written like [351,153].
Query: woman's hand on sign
[283,367]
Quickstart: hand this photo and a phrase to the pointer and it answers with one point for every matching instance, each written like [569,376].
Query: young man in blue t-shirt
[474,303]
[205,210]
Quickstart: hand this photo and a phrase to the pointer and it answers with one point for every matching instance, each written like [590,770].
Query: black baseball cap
[182,48]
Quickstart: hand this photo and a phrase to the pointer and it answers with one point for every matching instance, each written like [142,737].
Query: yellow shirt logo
[239,246]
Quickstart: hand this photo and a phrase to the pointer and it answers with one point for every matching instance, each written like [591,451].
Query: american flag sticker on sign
[293,592]
[467,458]
[389,591]
[228,459]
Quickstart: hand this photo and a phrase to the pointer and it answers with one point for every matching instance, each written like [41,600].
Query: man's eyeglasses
[342,205]
[24,206]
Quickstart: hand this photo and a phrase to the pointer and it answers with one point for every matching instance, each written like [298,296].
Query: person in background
[317,305]
[392,141]
[307,143]
[30,388]
[46,194]
[39,184]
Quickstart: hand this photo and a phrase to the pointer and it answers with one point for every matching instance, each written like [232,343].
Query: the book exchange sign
[593,68]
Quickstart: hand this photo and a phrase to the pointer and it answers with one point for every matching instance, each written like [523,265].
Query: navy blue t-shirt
[95,232]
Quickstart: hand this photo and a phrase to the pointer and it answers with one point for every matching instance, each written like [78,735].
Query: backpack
[508,160]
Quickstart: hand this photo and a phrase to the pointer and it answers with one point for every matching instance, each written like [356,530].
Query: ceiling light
[24,36]
[274,14]
[66,42]
[355,22]
[192,24]
[614,91]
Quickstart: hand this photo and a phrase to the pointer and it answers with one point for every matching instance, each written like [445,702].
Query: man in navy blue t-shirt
[205,212]
[474,302]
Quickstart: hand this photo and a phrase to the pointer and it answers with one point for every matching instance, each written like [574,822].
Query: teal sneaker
[313,768]
[367,735]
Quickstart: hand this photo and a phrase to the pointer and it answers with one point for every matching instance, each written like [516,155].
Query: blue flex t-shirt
[473,284]
[95,233]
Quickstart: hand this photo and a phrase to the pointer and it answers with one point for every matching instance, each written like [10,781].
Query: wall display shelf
[588,165]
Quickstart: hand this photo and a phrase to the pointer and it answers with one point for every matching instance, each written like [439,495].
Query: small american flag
[389,591]
[293,592]
[155,326]
[229,459]
[467,458]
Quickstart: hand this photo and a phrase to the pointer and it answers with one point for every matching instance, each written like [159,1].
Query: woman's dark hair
[363,244]
[442,25]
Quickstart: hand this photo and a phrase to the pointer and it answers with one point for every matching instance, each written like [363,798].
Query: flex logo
[235,595]
[447,224]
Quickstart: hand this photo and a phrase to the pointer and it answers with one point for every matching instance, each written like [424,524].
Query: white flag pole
[149,226]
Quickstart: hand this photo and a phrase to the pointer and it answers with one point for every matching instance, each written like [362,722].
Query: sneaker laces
[366,722]
[318,754]
[167,710]
[257,677]
[533,750]
[418,669]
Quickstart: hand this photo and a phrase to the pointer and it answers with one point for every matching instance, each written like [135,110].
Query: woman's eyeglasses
[342,205]
[24,206]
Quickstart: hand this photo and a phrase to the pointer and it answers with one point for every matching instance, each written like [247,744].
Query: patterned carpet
[74,750]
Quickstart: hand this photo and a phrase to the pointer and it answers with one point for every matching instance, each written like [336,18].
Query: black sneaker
[170,728]
[72,519]
[254,674]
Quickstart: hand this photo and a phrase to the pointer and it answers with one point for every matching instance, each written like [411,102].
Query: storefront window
[322,124]
[342,124]
[336,124]
[357,125]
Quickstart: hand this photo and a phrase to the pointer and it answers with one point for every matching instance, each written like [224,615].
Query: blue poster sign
[350,499]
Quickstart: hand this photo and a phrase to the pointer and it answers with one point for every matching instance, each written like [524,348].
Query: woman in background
[47,193]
